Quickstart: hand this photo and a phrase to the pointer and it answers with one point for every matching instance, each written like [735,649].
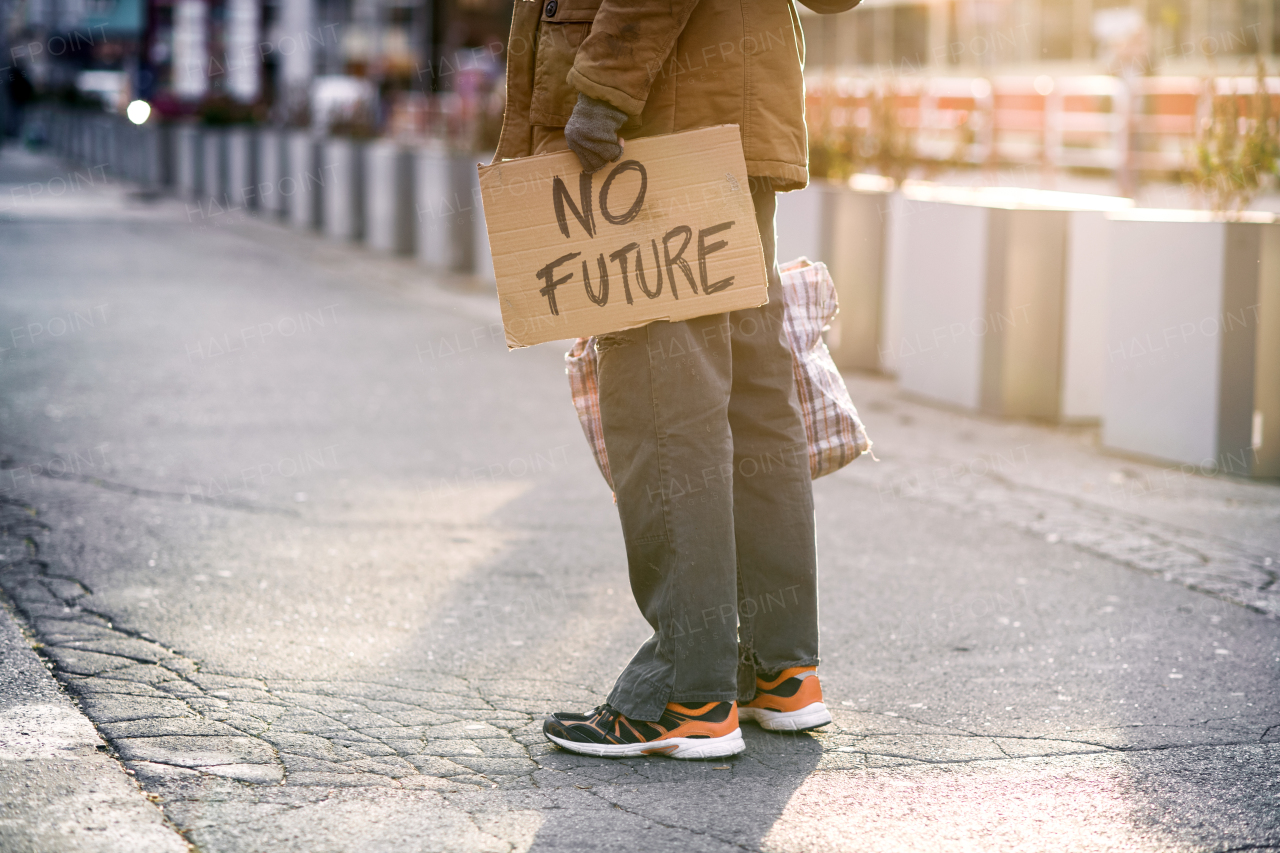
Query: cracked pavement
[316,583]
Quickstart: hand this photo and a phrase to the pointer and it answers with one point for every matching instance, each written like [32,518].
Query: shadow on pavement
[660,801]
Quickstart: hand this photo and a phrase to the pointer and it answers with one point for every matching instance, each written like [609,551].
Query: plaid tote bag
[584,383]
[836,434]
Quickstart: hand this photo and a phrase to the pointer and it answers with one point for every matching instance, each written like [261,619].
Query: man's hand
[592,132]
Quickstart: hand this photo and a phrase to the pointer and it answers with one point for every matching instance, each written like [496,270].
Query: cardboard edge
[497,163]
[484,169]
[513,343]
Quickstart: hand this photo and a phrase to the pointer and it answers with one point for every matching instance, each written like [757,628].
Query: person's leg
[664,395]
[772,489]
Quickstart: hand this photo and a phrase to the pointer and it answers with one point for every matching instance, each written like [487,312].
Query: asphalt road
[315,553]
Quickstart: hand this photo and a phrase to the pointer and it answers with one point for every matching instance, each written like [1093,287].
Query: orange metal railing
[1095,122]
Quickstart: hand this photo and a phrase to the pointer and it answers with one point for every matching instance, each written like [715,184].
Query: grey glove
[592,132]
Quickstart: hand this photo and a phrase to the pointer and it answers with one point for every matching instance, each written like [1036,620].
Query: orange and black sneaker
[792,702]
[699,731]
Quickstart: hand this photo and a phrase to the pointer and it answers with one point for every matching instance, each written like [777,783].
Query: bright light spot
[919,811]
[138,111]
[1044,84]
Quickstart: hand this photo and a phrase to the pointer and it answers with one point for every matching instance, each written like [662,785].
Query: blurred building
[415,66]
[55,42]
[180,53]
[1045,36]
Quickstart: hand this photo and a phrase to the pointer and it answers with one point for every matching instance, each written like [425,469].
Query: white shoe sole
[808,717]
[676,747]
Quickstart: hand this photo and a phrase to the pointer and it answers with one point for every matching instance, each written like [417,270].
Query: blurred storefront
[1045,36]
[435,67]
[384,63]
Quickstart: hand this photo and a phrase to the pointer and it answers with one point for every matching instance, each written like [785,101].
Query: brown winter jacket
[669,64]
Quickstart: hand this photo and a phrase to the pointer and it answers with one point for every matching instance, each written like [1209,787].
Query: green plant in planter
[219,110]
[295,112]
[1236,155]
[886,145]
[355,123]
[831,151]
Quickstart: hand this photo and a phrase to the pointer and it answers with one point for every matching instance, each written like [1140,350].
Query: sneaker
[791,702]
[703,731]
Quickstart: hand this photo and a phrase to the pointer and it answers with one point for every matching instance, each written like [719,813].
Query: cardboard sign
[668,232]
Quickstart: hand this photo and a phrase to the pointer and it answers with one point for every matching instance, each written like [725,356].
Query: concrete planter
[843,225]
[1084,369]
[242,173]
[979,310]
[936,277]
[190,158]
[271,169]
[388,197]
[447,205]
[302,184]
[343,189]
[213,188]
[1193,341]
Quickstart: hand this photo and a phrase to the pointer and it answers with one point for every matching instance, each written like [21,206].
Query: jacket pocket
[563,27]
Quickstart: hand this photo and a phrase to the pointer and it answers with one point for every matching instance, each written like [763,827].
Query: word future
[627,272]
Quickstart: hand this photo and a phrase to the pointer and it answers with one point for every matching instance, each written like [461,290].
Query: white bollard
[213,188]
[434,205]
[302,183]
[342,186]
[271,171]
[388,197]
[242,179]
[189,156]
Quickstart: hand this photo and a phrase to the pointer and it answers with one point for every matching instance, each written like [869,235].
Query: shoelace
[605,716]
